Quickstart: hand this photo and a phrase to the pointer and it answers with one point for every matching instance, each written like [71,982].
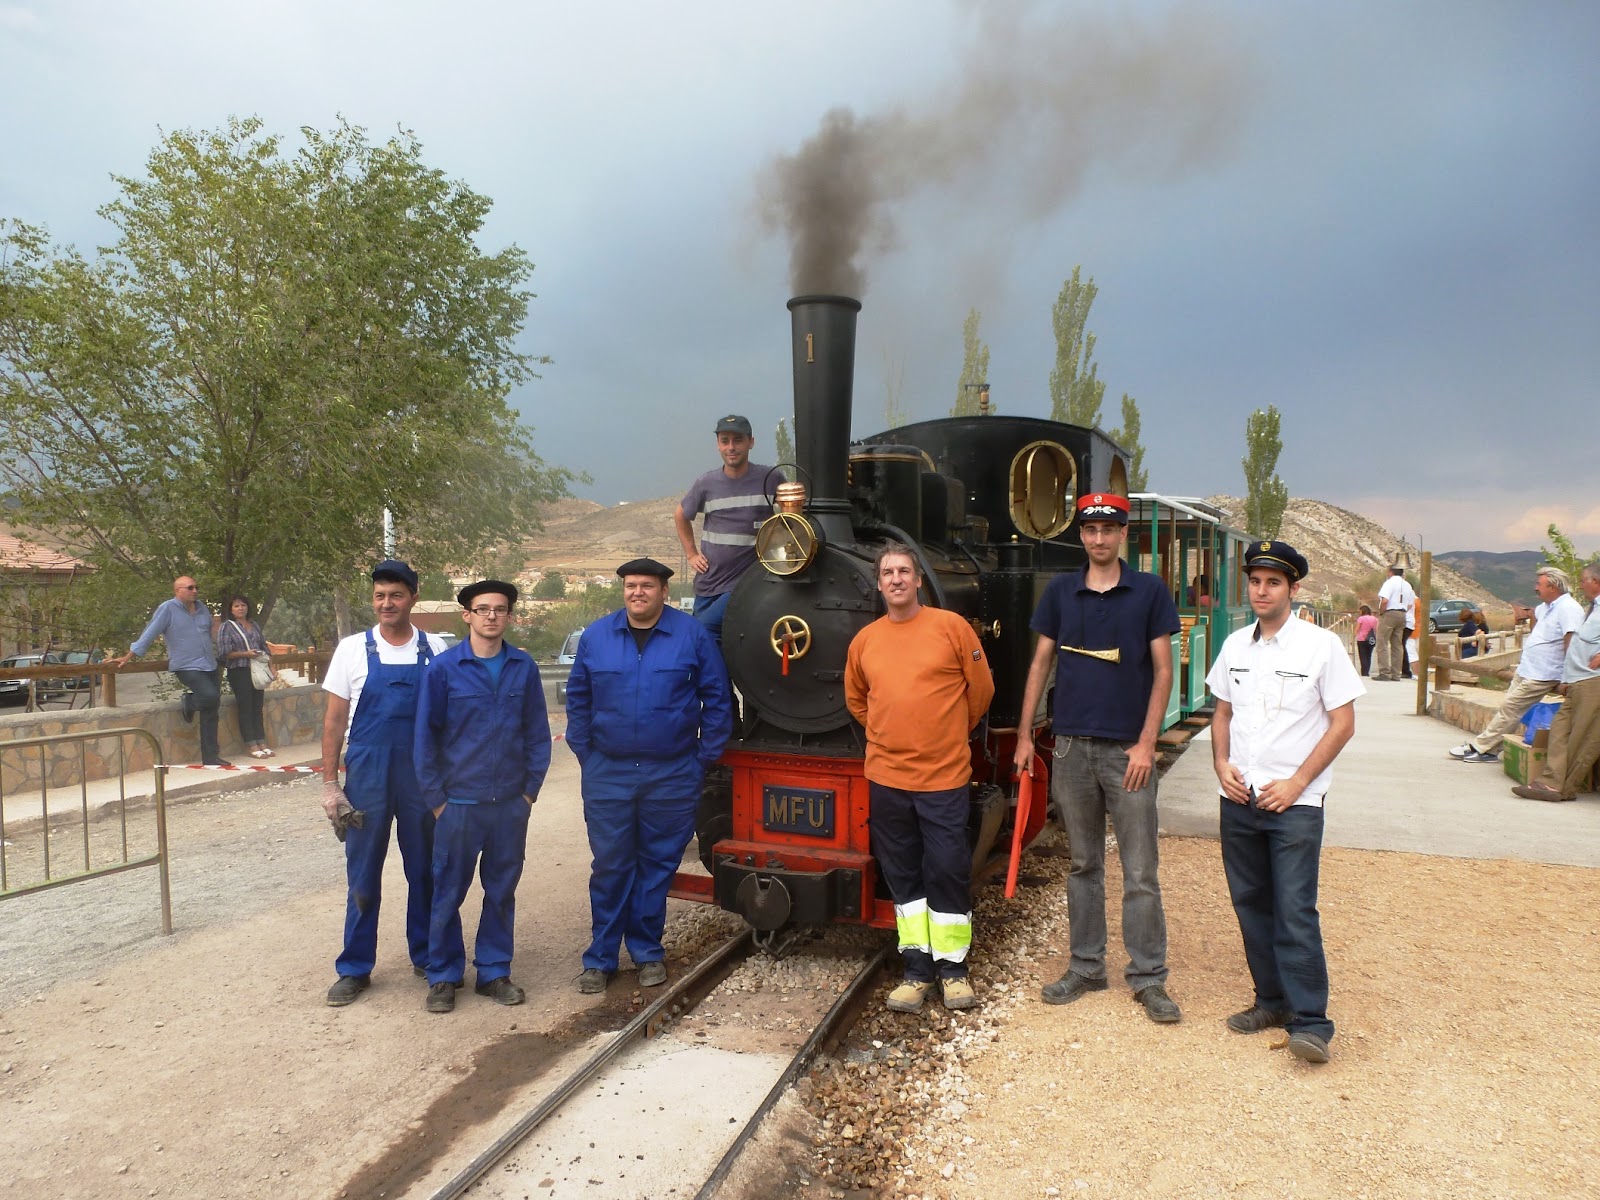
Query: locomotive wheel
[713,819]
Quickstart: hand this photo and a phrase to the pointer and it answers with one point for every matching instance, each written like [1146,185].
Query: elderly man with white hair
[1555,620]
[1575,734]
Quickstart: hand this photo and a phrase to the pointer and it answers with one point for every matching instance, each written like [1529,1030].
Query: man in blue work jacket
[648,710]
[483,750]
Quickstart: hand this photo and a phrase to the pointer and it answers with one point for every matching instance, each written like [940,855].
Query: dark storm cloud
[1040,101]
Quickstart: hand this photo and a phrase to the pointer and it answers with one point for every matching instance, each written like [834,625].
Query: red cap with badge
[1103,506]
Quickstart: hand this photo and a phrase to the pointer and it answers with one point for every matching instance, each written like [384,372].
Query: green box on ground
[1522,761]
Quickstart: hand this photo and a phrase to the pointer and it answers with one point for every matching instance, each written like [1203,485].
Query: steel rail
[843,1008]
[687,991]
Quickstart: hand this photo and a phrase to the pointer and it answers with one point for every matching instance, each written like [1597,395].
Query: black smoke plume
[1041,103]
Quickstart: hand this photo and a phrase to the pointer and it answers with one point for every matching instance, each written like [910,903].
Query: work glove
[341,813]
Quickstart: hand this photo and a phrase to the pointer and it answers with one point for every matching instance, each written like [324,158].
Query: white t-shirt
[1396,593]
[347,668]
[1545,648]
[1282,689]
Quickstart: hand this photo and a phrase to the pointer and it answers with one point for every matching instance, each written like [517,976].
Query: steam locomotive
[987,504]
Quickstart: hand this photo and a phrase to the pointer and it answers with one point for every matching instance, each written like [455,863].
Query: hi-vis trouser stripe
[946,936]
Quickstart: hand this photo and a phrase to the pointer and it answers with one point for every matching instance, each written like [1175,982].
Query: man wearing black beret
[482,750]
[1286,693]
[648,710]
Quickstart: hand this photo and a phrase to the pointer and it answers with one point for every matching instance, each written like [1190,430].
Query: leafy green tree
[974,367]
[553,586]
[1075,386]
[1127,436]
[1562,553]
[275,346]
[1266,496]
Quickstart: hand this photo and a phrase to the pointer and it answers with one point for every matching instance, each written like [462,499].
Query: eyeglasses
[498,611]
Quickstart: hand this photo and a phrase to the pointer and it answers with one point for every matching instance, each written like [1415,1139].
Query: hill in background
[1349,554]
[1508,575]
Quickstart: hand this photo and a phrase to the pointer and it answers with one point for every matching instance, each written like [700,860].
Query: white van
[569,649]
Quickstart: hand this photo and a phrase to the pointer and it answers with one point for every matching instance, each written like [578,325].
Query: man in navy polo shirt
[1106,628]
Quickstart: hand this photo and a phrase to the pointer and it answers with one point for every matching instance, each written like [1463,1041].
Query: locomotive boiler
[987,505]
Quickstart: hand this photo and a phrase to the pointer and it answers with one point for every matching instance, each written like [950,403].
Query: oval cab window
[1044,489]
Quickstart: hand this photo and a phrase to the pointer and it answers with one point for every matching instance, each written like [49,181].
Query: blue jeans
[203,698]
[1087,785]
[708,610]
[1271,860]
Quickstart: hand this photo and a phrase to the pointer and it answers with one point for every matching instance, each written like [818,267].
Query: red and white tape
[312,769]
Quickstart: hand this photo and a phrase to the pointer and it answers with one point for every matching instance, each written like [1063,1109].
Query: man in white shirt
[1575,733]
[1555,620]
[373,681]
[1395,600]
[1286,695]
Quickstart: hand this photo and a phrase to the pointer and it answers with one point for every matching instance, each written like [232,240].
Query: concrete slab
[1395,787]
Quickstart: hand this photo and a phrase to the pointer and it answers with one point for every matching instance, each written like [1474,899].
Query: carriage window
[1044,482]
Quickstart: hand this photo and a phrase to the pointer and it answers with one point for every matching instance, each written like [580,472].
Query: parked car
[569,648]
[78,683]
[567,656]
[449,639]
[15,691]
[1444,616]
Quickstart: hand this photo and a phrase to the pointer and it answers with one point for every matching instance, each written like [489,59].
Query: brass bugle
[1113,655]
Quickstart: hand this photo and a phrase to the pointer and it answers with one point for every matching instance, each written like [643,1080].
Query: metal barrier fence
[158,860]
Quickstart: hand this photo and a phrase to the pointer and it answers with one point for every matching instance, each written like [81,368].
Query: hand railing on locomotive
[103,676]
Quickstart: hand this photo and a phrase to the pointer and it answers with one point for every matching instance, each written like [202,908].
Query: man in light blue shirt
[186,625]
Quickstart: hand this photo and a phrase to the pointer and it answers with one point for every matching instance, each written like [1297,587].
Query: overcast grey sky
[1379,217]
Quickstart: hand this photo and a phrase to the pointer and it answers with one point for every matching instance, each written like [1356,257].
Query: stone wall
[1465,708]
[293,716]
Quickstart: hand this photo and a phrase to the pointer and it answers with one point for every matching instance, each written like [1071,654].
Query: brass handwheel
[793,633]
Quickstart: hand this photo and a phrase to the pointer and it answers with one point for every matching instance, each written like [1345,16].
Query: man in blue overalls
[373,681]
[482,751]
[648,710]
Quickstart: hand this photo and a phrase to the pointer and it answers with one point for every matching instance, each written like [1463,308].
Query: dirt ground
[1465,994]
[206,1065]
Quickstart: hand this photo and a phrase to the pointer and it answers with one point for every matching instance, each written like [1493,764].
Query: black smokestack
[824,372]
[1044,101]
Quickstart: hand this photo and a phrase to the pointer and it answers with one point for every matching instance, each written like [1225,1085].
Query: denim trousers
[1271,861]
[203,699]
[1087,785]
[709,611]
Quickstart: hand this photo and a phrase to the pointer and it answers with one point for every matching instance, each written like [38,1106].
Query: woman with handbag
[1366,637]
[243,651]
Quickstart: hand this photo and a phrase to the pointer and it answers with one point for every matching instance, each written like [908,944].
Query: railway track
[678,999]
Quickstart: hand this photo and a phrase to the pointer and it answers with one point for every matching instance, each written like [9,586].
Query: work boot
[1069,987]
[593,980]
[346,988]
[1158,1006]
[908,997]
[1308,1047]
[1256,1018]
[958,993]
[652,974]
[501,991]
[419,971]
[442,998]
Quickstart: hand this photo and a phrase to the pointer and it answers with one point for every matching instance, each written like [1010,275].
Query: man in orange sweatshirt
[917,679]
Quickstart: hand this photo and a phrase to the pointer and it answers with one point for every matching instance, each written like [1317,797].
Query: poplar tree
[1075,386]
[1266,495]
[1127,436]
[974,367]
